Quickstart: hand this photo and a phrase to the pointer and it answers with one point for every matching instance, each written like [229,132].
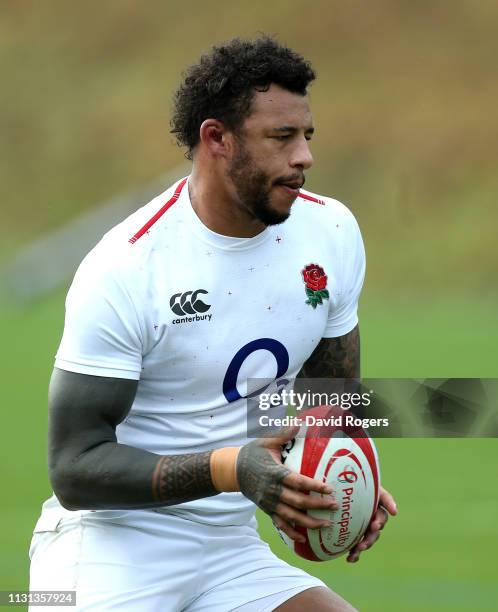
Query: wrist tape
[223,464]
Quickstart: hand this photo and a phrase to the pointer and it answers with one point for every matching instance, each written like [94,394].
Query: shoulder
[143,227]
[312,208]
[125,250]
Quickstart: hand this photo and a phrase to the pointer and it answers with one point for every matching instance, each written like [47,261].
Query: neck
[217,207]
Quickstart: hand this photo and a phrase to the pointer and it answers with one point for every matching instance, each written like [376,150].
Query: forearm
[112,475]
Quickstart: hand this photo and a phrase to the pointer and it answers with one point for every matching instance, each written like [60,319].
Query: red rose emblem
[314,277]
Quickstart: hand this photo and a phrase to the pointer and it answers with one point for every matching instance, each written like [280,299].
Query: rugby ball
[345,457]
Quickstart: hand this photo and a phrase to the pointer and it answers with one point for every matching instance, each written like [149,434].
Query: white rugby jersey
[193,314]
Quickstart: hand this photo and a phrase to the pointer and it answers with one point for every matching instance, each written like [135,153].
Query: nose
[302,157]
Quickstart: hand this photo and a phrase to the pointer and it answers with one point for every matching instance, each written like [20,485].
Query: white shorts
[143,560]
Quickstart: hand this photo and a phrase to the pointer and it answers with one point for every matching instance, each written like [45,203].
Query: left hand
[387,506]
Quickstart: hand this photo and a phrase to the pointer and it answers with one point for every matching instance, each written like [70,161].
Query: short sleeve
[102,329]
[343,316]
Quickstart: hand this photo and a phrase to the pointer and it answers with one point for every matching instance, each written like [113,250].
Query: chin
[283,209]
[271,211]
[274,216]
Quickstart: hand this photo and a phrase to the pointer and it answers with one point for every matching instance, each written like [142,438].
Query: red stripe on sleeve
[159,213]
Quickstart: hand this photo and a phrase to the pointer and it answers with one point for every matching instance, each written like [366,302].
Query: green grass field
[439,554]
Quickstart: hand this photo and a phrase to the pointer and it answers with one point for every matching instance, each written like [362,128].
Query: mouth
[292,187]
[290,190]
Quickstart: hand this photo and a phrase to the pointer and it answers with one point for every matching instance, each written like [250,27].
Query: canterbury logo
[188,303]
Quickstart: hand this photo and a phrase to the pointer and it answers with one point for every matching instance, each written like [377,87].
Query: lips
[297,184]
[292,190]
[292,185]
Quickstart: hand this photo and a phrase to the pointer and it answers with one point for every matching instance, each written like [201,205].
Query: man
[155,481]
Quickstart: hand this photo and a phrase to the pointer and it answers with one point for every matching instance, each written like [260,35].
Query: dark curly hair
[221,86]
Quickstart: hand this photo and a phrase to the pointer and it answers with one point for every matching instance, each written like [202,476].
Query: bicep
[84,411]
[335,357]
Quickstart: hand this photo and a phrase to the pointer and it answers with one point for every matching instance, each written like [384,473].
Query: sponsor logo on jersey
[315,281]
[190,307]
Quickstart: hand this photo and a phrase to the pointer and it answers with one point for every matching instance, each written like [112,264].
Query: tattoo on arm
[91,470]
[260,476]
[335,358]
[180,478]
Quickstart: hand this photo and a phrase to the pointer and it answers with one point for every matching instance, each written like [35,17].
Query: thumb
[283,436]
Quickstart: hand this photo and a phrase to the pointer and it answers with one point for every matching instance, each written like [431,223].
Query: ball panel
[345,458]
[346,470]
[368,447]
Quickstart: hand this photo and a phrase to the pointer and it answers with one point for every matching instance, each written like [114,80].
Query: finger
[291,515]
[373,531]
[301,501]
[367,542]
[371,535]
[379,520]
[387,500]
[299,482]
[353,556]
[288,529]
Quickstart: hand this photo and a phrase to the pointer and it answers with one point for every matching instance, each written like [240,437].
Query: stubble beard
[253,186]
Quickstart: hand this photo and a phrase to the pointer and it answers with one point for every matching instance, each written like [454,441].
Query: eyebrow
[292,129]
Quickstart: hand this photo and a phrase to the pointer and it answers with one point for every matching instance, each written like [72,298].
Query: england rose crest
[315,279]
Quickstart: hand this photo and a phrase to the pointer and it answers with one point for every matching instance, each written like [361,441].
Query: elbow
[64,483]
[68,505]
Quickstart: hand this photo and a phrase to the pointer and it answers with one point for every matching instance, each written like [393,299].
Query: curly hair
[221,86]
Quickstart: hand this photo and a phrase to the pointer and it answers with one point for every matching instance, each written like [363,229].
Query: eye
[282,137]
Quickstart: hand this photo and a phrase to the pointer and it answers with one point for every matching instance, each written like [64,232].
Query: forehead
[277,106]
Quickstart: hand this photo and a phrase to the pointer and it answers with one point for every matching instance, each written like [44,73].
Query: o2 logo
[276,348]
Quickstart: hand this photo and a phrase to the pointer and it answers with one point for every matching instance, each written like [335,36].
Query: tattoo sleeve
[335,358]
[90,470]
[177,478]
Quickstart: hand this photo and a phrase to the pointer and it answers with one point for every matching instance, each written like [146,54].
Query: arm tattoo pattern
[335,358]
[181,478]
[260,476]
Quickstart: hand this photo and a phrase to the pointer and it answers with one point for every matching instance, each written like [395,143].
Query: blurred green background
[407,136]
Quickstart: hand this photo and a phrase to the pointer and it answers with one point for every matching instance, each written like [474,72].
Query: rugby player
[234,272]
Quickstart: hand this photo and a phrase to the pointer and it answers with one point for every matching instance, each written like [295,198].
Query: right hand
[278,491]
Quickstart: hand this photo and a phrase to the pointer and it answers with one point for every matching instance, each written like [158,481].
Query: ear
[215,137]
